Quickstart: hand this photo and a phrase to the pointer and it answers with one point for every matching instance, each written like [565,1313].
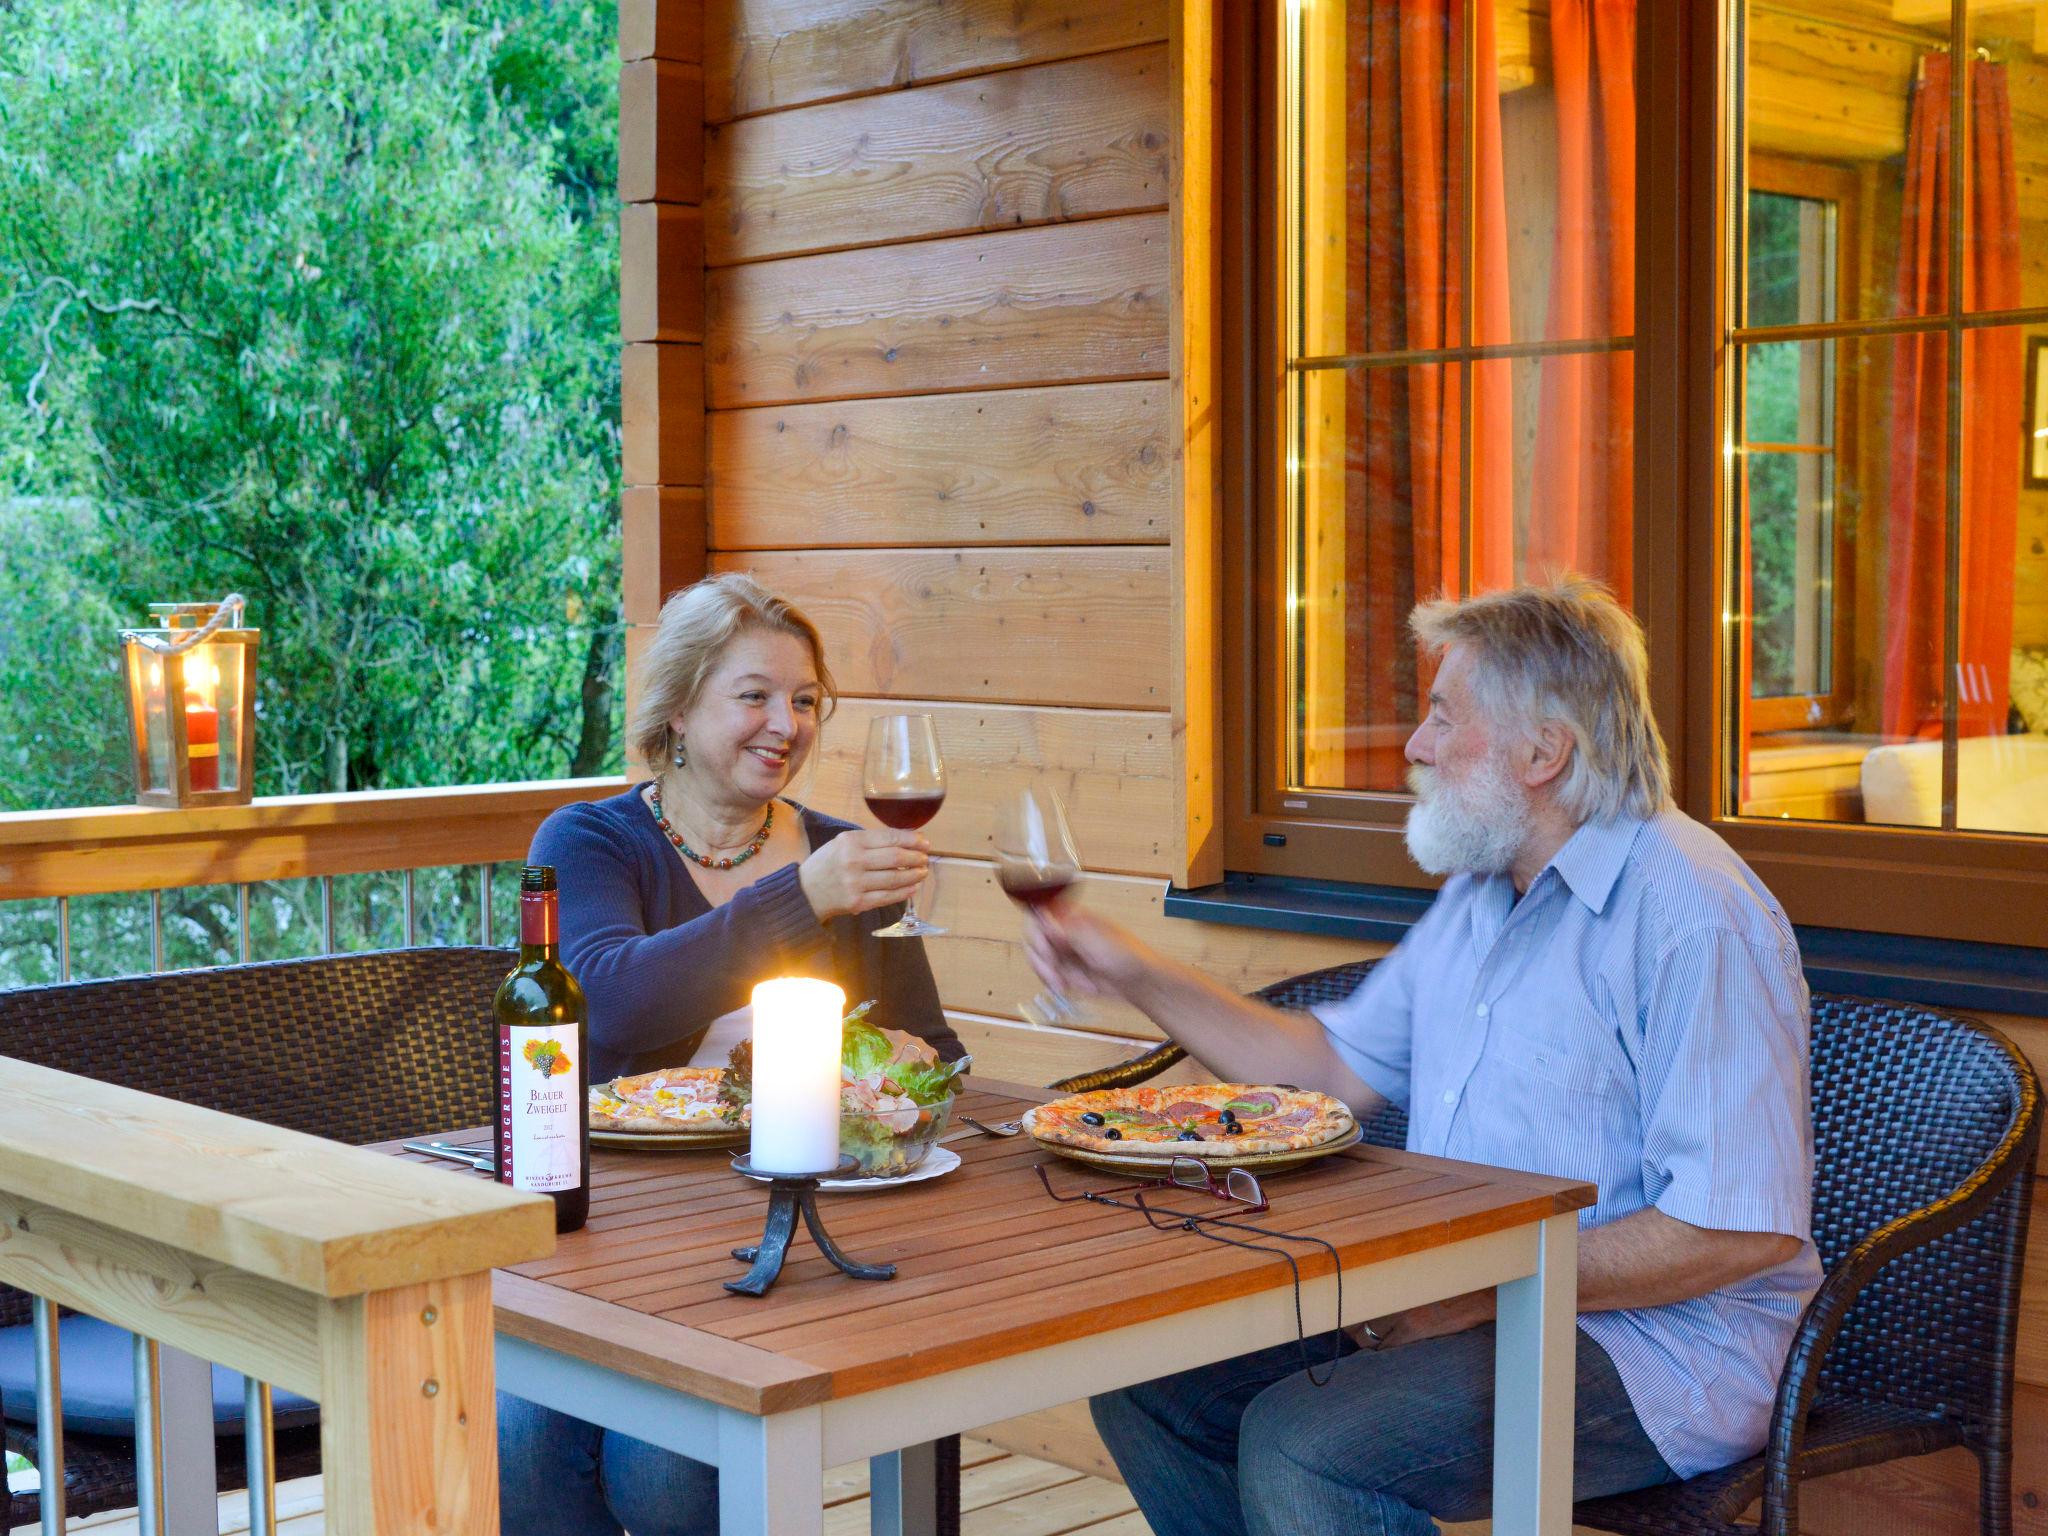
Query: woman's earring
[680,758]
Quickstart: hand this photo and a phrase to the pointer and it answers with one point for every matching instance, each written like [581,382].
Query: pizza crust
[1150,1121]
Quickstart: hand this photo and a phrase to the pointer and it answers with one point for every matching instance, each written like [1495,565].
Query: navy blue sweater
[658,962]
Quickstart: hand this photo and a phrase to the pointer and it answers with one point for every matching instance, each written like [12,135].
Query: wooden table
[1006,1302]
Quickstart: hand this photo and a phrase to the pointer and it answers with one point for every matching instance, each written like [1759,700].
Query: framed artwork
[2036,426]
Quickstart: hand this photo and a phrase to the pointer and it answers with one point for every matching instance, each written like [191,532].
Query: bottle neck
[540,924]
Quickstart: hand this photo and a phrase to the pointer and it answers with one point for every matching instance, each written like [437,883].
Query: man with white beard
[1602,991]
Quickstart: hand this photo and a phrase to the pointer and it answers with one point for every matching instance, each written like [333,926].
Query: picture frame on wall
[2035,473]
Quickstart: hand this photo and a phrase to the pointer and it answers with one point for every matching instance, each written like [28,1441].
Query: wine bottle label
[540,1119]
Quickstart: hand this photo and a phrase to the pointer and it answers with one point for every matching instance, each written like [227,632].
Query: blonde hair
[1572,655]
[695,627]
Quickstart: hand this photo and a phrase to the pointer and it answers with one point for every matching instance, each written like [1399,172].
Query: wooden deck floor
[1001,1494]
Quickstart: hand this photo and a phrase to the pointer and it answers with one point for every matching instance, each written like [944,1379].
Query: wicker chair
[1925,1130]
[357,1048]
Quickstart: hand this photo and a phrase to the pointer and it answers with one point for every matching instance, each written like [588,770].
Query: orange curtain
[1916,529]
[1405,105]
[1580,515]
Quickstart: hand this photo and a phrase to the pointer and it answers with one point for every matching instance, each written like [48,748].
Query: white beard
[1473,826]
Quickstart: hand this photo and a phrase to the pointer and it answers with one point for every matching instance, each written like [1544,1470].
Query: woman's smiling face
[756,718]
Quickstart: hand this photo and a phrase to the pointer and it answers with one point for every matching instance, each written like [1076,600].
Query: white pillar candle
[796,1076]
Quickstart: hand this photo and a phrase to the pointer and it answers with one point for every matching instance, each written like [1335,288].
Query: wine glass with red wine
[904,780]
[1035,863]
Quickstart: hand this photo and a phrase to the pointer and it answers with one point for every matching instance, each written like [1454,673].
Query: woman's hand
[1079,954]
[859,871]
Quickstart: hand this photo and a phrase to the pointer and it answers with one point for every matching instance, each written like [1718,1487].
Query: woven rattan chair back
[356,1048]
[1907,1106]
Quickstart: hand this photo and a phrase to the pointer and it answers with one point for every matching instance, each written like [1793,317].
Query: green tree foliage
[313,300]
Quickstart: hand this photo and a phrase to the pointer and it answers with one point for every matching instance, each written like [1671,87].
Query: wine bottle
[543,1140]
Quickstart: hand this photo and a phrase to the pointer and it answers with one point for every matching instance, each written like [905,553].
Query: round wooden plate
[1152,1163]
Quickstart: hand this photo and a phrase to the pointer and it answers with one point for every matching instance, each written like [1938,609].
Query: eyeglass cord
[1199,1225]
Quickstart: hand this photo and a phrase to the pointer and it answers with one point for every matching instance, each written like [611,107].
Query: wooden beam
[662,530]
[661,29]
[287,837]
[661,132]
[1112,769]
[661,272]
[1196,339]
[1028,626]
[1078,464]
[408,1411]
[1027,146]
[280,1205]
[1063,303]
[661,413]
[761,55]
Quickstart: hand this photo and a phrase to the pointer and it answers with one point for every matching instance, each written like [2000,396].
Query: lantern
[191,698]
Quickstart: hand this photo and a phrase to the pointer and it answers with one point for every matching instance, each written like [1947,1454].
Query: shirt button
[1450,1095]
[1483,1010]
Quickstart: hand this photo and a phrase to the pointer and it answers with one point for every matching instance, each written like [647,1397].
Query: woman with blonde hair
[677,896]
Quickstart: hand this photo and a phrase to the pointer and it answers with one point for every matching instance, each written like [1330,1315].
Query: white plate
[937,1161]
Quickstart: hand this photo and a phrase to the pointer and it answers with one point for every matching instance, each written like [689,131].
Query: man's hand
[1077,953]
[1432,1321]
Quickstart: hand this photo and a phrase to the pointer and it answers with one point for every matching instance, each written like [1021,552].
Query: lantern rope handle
[231,605]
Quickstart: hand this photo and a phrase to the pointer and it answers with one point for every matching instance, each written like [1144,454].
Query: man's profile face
[1471,812]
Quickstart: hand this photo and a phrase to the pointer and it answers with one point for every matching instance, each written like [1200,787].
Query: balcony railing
[125,889]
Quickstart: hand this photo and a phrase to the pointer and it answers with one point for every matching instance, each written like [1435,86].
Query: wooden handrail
[334,1272]
[132,848]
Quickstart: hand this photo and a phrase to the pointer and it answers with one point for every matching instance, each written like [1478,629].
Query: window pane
[1789,393]
[1382,175]
[1378,530]
[1831,110]
[1792,259]
[2002,639]
[1837,670]
[2006,160]
[1570,443]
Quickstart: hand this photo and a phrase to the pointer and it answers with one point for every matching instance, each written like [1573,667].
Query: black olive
[1091,1118]
[1113,1134]
[1190,1136]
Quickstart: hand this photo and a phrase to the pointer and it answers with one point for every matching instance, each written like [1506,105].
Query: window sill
[1941,973]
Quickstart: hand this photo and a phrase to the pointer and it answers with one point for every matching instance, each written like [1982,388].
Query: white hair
[1567,654]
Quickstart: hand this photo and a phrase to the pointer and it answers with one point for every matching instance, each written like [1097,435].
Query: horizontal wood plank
[661,132]
[1053,626]
[1074,464]
[661,413]
[765,54]
[661,272]
[1109,767]
[981,967]
[662,29]
[1027,146]
[1062,303]
[280,1205]
[662,533]
[284,837]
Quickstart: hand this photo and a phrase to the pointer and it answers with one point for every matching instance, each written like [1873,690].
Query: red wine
[903,812]
[1032,891]
[543,1141]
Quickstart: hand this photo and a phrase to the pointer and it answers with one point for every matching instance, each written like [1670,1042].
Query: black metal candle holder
[789,1194]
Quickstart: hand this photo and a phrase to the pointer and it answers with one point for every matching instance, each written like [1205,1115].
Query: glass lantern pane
[229,701]
[156,721]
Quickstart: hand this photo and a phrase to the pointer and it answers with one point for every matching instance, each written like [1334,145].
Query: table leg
[771,1473]
[1535,1367]
[903,1493]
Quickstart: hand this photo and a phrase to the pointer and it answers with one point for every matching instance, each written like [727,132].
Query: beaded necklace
[660,820]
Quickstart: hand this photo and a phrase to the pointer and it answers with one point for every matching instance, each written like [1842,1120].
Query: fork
[1010,1128]
[478,1158]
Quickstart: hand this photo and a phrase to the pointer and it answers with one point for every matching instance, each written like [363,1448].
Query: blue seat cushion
[96,1368]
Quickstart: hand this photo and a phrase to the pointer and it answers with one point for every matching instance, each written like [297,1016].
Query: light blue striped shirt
[1638,1021]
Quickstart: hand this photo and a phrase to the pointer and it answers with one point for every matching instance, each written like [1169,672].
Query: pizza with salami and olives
[1196,1120]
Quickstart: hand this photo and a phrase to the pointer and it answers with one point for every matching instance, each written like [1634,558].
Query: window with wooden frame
[1459,229]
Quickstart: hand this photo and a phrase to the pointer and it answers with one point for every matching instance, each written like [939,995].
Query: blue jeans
[1397,1440]
[559,1476]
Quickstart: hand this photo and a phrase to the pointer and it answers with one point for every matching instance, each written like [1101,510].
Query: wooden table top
[987,1265]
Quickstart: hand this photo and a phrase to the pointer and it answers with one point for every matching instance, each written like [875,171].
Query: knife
[478,1158]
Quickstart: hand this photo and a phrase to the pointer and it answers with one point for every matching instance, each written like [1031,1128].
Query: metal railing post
[258,1439]
[49,1417]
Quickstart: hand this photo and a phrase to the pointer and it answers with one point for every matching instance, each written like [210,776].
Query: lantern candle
[202,723]
[796,1076]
